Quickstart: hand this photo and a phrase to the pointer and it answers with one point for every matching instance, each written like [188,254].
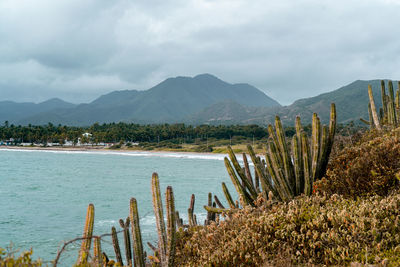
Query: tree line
[127,132]
[130,132]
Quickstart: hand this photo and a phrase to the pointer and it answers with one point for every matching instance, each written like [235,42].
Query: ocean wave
[106,223]
[184,155]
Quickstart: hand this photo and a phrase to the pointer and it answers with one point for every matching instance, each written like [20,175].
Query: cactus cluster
[389,113]
[166,235]
[286,172]
[164,254]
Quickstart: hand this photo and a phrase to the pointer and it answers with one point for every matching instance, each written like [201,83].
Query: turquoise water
[44,194]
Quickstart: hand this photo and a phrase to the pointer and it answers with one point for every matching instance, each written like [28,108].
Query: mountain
[14,112]
[203,99]
[231,112]
[351,104]
[173,100]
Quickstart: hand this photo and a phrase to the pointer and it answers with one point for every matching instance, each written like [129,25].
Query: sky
[78,50]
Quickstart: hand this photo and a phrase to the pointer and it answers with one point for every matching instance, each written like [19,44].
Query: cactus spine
[166,237]
[136,235]
[87,236]
[116,246]
[285,172]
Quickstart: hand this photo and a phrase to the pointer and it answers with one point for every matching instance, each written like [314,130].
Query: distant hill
[351,104]
[173,100]
[203,99]
[231,112]
[14,112]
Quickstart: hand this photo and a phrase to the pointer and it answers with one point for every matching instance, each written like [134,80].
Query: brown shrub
[369,167]
[306,231]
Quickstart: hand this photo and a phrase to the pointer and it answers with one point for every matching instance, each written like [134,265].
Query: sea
[44,194]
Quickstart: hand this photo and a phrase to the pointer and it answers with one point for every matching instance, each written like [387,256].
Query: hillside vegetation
[203,99]
[352,216]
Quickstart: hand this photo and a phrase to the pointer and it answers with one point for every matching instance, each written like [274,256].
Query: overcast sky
[80,49]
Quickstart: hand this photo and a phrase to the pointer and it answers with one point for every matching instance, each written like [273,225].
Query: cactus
[209,213]
[97,255]
[287,171]
[179,220]
[218,202]
[215,210]
[107,261]
[127,240]
[116,246]
[389,114]
[87,236]
[247,170]
[166,236]
[136,235]
[171,226]
[228,196]
[192,221]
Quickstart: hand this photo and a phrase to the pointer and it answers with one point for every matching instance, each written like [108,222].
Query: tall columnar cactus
[139,259]
[209,213]
[166,236]
[389,114]
[115,242]
[228,196]
[171,226]
[287,171]
[192,221]
[127,240]
[97,254]
[87,236]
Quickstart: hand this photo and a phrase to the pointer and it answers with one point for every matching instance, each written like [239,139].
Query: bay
[44,194]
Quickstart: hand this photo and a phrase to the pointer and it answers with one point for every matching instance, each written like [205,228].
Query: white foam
[106,223]
[131,154]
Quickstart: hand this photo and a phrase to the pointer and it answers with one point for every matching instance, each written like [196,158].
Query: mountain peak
[205,76]
[53,100]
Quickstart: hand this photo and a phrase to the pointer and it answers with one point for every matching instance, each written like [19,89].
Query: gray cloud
[78,50]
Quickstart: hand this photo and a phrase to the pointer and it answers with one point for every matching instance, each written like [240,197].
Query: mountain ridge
[172,100]
[202,99]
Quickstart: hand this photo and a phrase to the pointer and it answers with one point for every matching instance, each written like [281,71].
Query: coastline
[103,149]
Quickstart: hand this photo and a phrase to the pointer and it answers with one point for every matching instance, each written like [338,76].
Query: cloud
[78,50]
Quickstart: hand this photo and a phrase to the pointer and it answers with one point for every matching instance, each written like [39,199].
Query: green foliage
[8,258]
[203,148]
[316,230]
[368,167]
[115,132]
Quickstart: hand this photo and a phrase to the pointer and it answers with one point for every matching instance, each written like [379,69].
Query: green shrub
[117,146]
[308,230]
[203,148]
[369,167]
[8,258]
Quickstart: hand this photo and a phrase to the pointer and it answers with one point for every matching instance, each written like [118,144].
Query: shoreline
[102,149]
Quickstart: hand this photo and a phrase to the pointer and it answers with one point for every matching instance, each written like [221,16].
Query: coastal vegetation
[172,137]
[311,201]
